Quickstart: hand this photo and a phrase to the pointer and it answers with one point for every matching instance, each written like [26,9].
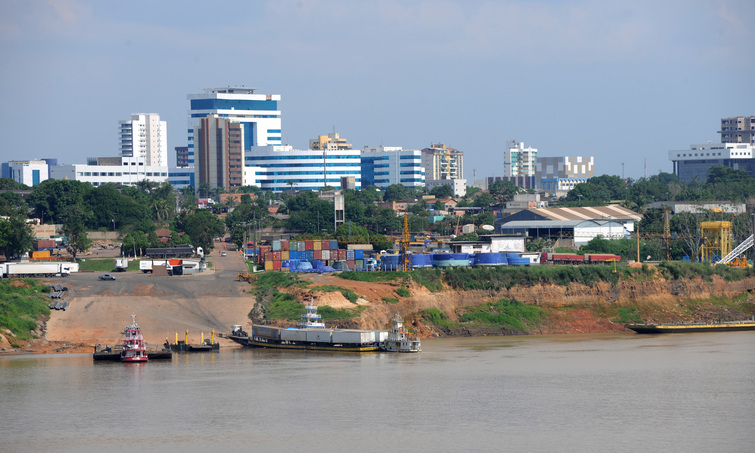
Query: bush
[21,307]
[437,317]
[504,312]
[403,292]
[347,293]
[390,300]
[432,279]
[387,276]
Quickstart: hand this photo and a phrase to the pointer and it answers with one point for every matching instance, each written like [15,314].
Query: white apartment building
[384,166]
[518,160]
[144,136]
[98,171]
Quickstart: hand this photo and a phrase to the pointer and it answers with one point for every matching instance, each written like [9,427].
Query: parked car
[107,277]
[223,254]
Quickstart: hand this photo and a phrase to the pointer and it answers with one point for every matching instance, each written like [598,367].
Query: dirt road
[163,305]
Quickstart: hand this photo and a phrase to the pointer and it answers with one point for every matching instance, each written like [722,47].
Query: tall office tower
[518,160]
[383,166]
[145,136]
[442,162]
[258,115]
[329,142]
[738,129]
[219,153]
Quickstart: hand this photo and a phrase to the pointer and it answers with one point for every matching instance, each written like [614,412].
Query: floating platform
[727,326]
[182,346]
[113,353]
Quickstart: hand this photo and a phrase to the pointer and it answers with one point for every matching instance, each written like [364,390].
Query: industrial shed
[570,226]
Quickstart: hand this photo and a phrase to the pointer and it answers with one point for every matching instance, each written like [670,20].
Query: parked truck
[37,269]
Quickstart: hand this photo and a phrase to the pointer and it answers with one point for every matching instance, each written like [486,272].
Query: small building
[490,243]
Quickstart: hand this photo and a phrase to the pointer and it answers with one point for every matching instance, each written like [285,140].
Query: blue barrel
[421,260]
[391,262]
[490,259]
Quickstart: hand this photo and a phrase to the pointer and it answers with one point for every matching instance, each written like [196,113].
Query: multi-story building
[738,129]
[219,153]
[182,156]
[693,164]
[28,172]
[383,166]
[126,171]
[258,115]
[558,175]
[281,168]
[329,142]
[146,137]
[518,160]
[442,162]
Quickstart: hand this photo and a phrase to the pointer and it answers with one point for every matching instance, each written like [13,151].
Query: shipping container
[309,245]
[271,333]
[276,246]
[353,336]
[269,265]
[351,264]
[333,245]
[40,255]
[276,264]
[309,255]
[318,335]
[358,264]
[285,246]
[317,255]
[317,245]
[293,246]
[285,255]
[358,254]
[326,255]
[293,335]
[342,254]
[350,255]
[40,244]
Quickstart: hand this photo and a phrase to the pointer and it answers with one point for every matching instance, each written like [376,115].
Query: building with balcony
[144,136]
[738,129]
[329,142]
[519,161]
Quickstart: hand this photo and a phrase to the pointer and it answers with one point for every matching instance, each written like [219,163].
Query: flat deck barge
[727,326]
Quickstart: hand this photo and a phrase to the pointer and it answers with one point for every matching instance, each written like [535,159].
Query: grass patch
[268,281]
[627,315]
[347,293]
[284,306]
[373,277]
[403,292]
[390,300]
[329,313]
[438,318]
[21,307]
[432,279]
[504,312]
[683,270]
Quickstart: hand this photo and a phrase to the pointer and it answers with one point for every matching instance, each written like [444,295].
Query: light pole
[113,220]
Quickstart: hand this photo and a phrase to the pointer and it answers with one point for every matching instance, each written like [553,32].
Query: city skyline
[617,81]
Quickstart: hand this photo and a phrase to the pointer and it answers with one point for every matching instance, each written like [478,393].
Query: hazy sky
[623,81]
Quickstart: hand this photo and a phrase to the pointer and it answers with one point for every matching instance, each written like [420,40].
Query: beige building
[219,153]
[442,162]
[738,129]
[329,142]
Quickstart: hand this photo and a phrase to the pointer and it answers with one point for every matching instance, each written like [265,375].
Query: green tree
[395,192]
[11,184]
[53,197]
[503,191]
[202,226]
[15,234]
[74,227]
[104,203]
[444,191]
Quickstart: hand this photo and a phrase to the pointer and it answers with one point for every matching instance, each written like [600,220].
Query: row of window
[284,173]
[330,157]
[118,173]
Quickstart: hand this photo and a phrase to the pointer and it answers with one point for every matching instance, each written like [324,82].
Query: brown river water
[612,392]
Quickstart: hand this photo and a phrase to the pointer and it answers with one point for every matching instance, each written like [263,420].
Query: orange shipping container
[269,265]
[285,255]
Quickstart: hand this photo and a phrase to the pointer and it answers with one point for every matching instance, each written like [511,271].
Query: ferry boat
[721,326]
[133,349]
[310,334]
[397,340]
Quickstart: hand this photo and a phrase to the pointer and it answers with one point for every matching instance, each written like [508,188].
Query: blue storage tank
[318,264]
[391,262]
[490,259]
[423,260]
[303,266]
[518,261]
[510,256]
[450,259]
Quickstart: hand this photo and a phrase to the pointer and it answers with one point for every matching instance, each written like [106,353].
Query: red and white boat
[134,349]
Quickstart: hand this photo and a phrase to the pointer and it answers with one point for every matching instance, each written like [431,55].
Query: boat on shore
[310,334]
[398,341]
[718,326]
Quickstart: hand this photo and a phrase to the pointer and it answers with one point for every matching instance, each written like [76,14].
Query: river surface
[616,392]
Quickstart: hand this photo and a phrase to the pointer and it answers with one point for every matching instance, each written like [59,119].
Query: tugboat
[398,341]
[134,349]
[310,319]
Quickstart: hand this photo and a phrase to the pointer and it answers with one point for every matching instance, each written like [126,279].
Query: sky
[623,81]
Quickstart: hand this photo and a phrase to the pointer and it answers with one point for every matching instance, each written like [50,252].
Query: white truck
[38,269]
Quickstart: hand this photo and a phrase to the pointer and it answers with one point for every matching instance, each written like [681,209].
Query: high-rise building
[182,156]
[146,137]
[219,153]
[442,162]
[258,115]
[518,160]
[329,142]
[383,166]
[738,129]
[558,175]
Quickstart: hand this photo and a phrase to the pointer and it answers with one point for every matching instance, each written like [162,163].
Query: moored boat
[398,341]
[720,326]
[133,349]
[311,334]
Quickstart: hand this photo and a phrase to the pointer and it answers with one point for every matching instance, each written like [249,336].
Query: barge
[205,345]
[720,326]
[310,334]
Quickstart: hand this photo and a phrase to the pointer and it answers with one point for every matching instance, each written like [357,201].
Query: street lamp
[113,220]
